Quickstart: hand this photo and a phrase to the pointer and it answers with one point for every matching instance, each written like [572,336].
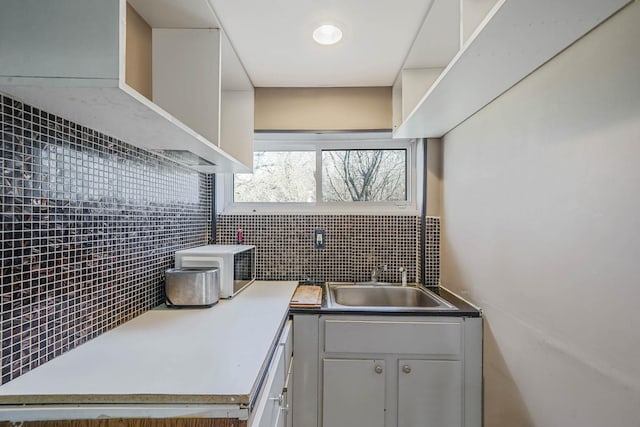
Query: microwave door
[243,269]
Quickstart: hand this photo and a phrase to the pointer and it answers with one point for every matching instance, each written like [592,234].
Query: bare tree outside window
[364,175]
[278,177]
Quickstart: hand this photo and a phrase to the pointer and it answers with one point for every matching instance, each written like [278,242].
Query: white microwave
[236,264]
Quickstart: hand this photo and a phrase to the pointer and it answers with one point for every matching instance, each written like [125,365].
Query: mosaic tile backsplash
[354,244]
[89,224]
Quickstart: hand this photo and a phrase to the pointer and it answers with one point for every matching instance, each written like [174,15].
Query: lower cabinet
[365,371]
[353,393]
[429,393]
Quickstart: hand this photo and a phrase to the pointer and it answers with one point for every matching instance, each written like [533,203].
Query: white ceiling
[273,39]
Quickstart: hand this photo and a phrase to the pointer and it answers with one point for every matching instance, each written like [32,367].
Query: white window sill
[294,209]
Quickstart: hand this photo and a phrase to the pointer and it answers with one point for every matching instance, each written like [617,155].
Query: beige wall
[434,176]
[138,59]
[353,108]
[541,227]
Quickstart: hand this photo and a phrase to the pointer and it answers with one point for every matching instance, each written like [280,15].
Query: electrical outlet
[319,239]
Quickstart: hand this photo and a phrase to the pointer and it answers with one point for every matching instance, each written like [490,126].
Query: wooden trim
[137,422]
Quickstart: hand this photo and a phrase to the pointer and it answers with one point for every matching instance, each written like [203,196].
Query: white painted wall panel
[541,229]
[236,125]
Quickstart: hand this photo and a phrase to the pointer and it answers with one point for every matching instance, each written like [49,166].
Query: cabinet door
[288,386]
[267,411]
[353,393]
[429,393]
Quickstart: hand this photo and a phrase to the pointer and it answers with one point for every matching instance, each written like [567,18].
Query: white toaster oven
[236,264]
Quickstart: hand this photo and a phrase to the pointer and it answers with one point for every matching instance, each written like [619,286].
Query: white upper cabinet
[237,107]
[496,52]
[69,57]
[436,43]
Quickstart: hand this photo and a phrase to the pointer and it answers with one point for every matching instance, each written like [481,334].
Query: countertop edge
[79,399]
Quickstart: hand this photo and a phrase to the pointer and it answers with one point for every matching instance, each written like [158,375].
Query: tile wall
[90,223]
[88,226]
[432,251]
[355,243]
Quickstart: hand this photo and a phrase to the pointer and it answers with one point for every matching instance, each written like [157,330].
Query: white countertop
[213,355]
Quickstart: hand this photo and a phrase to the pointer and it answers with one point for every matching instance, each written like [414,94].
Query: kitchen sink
[383,297]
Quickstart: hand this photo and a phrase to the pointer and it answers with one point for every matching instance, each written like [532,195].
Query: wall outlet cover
[319,239]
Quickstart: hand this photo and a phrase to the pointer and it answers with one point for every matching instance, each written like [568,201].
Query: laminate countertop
[186,356]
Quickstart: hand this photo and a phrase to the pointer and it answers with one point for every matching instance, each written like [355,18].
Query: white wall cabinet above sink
[515,38]
[69,57]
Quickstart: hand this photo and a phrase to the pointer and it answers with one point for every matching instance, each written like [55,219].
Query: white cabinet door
[353,393]
[288,404]
[429,393]
[270,407]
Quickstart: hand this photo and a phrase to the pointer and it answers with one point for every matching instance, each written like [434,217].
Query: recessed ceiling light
[327,34]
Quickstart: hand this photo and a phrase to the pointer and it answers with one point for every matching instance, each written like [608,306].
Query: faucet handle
[376,270]
[403,271]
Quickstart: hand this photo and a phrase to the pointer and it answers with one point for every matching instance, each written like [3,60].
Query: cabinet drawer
[406,337]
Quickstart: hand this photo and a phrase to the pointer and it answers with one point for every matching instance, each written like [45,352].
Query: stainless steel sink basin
[383,297]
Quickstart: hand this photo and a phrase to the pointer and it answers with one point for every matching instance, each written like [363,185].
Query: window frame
[318,142]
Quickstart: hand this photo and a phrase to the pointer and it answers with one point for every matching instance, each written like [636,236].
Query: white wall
[541,227]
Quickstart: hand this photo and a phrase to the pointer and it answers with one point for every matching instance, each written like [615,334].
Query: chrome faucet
[375,272]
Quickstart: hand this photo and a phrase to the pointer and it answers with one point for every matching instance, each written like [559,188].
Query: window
[325,173]
[278,177]
[378,175]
